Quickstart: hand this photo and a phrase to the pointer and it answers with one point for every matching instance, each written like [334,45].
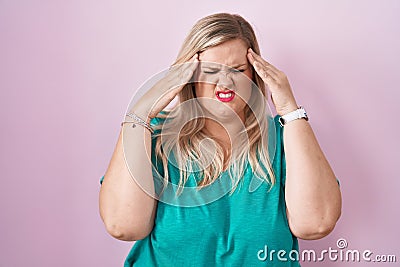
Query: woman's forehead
[230,53]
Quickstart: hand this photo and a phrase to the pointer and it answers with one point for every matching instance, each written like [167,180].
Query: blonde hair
[182,131]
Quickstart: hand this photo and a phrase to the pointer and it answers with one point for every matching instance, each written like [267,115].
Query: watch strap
[299,113]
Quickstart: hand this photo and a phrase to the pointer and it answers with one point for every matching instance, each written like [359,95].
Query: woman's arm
[127,211]
[313,197]
[127,204]
[312,194]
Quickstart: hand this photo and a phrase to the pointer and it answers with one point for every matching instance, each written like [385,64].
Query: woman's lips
[225,96]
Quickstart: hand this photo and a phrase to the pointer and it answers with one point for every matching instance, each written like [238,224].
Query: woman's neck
[225,134]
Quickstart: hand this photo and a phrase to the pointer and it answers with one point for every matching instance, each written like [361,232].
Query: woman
[218,194]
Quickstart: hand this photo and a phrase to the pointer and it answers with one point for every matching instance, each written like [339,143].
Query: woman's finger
[184,71]
[263,61]
[181,73]
[264,72]
[191,66]
[260,66]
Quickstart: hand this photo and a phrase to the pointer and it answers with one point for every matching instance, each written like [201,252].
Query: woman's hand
[165,90]
[281,92]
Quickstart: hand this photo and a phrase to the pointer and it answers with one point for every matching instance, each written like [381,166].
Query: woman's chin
[222,112]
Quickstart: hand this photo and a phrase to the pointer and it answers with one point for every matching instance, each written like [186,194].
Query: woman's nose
[224,80]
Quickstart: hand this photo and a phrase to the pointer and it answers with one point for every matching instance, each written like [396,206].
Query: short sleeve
[156,162]
[280,167]
[157,166]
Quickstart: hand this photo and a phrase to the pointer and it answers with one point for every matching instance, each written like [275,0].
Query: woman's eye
[236,71]
[216,71]
[210,72]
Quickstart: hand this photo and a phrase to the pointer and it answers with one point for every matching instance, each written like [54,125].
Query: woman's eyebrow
[239,65]
[210,66]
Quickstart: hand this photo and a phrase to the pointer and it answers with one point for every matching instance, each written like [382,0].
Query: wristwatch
[299,113]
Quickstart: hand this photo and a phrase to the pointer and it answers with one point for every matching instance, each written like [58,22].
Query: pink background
[69,68]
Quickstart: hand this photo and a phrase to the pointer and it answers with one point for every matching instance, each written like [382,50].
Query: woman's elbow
[312,232]
[132,232]
[316,229]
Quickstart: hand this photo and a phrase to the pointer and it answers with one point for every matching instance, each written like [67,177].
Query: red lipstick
[225,96]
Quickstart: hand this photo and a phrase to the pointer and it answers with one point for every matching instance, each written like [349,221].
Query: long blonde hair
[186,140]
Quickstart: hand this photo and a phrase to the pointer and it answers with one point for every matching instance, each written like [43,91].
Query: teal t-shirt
[247,228]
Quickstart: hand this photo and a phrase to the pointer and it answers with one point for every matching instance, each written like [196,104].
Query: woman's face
[224,78]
